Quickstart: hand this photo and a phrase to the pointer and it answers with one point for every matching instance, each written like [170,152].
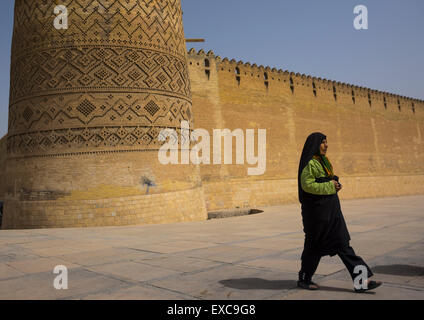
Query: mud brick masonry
[87,104]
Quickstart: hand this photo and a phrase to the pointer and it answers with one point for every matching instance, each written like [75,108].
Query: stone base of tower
[179,206]
[101,189]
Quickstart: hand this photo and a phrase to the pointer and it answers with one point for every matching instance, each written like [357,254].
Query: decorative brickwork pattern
[110,81]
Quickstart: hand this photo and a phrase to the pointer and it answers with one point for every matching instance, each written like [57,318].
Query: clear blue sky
[305,36]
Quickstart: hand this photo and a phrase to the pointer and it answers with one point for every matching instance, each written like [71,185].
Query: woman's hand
[337,185]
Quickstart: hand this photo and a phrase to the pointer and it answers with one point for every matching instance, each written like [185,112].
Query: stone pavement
[245,257]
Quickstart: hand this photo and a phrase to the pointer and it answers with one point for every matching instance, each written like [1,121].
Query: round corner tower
[87,104]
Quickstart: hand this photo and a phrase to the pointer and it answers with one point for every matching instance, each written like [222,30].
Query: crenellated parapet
[266,77]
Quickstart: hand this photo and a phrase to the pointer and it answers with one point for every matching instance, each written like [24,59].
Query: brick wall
[375,147]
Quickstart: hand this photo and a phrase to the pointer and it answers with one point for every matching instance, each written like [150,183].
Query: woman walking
[323,223]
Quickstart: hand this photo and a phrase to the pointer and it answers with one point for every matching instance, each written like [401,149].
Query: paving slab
[7,272]
[173,246]
[10,253]
[39,265]
[136,292]
[40,286]
[104,256]
[133,271]
[179,263]
[375,247]
[276,263]
[274,243]
[228,253]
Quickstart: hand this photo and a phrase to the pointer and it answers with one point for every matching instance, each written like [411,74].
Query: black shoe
[371,285]
[310,285]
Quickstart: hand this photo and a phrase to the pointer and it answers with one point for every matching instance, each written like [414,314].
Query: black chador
[324,226]
[323,222]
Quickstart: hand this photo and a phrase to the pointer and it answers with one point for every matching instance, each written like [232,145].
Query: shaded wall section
[3,156]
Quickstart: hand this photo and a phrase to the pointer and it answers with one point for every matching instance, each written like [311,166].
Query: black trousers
[311,259]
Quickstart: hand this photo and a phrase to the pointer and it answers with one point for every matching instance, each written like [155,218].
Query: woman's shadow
[258,283]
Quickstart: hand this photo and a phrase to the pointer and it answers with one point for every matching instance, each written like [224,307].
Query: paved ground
[248,257]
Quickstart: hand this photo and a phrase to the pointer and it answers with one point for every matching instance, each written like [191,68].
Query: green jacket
[314,170]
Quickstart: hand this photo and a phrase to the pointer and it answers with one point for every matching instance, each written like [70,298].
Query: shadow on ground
[257,283]
[399,270]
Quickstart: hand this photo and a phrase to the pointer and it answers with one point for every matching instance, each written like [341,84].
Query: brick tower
[87,103]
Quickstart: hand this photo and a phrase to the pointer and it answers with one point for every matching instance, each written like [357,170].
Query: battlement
[293,81]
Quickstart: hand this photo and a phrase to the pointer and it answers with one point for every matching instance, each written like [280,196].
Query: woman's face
[323,147]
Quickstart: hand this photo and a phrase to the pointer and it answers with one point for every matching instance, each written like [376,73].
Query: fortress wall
[208,114]
[376,150]
[87,105]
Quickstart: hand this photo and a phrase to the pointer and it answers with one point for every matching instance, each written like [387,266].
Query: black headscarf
[311,148]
